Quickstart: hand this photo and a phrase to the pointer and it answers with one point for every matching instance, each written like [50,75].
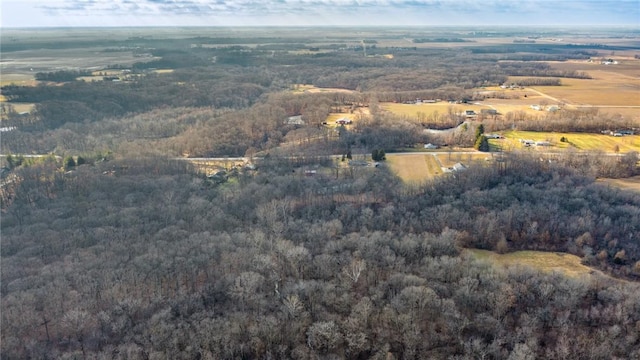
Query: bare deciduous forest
[115,247]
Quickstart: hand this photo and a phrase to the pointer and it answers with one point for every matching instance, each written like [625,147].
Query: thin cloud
[319,12]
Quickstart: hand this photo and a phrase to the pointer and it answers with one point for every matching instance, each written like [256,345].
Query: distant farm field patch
[632,183]
[302,88]
[450,159]
[626,65]
[610,85]
[614,89]
[23,107]
[605,89]
[29,62]
[420,111]
[414,168]
[333,117]
[578,141]
[17,79]
[354,116]
[567,264]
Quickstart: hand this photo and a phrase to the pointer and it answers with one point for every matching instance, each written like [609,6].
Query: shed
[294,120]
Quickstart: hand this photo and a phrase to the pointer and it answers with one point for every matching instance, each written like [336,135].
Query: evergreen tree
[479,131]
[378,155]
[10,161]
[69,163]
[482,144]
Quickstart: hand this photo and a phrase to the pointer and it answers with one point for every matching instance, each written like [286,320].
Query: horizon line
[636,26]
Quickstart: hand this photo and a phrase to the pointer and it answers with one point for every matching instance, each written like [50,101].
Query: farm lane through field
[549,96]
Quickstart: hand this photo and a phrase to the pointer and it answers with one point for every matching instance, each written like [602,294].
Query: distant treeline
[62,75]
[540,82]
[569,50]
[515,68]
[439,40]
[92,101]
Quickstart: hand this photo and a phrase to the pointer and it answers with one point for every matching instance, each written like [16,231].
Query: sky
[116,13]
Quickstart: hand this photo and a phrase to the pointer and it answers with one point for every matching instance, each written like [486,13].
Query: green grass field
[567,264]
[578,141]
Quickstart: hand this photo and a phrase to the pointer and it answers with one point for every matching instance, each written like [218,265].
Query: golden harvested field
[632,183]
[578,141]
[567,264]
[448,160]
[414,168]
[614,88]
[355,116]
[605,89]
[627,65]
[331,119]
[23,107]
[17,79]
[418,111]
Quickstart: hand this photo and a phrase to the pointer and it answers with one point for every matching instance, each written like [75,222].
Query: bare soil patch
[567,264]
[632,183]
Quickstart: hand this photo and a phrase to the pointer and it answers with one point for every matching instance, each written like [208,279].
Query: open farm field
[614,88]
[450,159]
[605,89]
[303,88]
[505,106]
[414,168]
[632,183]
[333,117]
[418,111]
[626,65]
[578,141]
[22,107]
[17,79]
[515,106]
[355,116]
[20,66]
[567,264]
[418,167]
[209,166]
